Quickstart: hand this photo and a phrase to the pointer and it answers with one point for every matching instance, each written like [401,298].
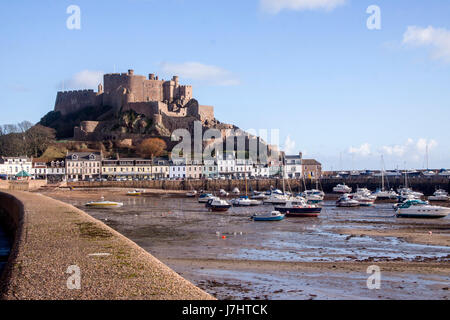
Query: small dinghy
[272,216]
[104,204]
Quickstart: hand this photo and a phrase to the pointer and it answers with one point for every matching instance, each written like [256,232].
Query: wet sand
[230,256]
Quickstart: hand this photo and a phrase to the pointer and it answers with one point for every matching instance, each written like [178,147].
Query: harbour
[232,257]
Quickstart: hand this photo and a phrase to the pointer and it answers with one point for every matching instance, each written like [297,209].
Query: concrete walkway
[53,236]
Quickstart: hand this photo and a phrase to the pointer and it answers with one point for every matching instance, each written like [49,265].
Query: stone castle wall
[72,101]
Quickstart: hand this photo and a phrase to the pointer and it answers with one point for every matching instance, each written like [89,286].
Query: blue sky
[310,68]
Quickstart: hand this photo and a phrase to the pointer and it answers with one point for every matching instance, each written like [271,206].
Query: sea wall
[61,253]
[424,184]
[22,185]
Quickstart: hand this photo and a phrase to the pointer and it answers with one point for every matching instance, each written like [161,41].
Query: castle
[127,91]
[167,103]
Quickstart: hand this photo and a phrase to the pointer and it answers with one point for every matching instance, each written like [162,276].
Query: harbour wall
[424,184]
[22,185]
[61,253]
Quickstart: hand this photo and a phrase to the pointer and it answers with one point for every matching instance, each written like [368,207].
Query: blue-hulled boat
[272,216]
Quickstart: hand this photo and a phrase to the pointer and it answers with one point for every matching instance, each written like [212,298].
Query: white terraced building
[177,169]
[226,165]
[13,165]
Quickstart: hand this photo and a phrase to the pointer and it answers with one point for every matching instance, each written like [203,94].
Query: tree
[152,147]
[38,138]
[10,128]
[24,126]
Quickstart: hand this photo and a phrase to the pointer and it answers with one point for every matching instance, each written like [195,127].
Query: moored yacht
[439,195]
[205,197]
[346,201]
[299,208]
[342,188]
[421,209]
[218,205]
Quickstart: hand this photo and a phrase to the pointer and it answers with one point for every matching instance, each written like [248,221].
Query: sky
[342,84]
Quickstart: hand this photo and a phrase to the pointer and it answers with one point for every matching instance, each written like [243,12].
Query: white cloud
[275,6]
[86,79]
[436,38]
[197,71]
[289,145]
[410,148]
[422,144]
[363,150]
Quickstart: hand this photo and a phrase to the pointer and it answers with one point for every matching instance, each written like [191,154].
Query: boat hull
[219,208]
[277,218]
[299,212]
[421,216]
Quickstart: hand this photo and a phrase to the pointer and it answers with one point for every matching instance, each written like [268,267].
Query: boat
[299,208]
[385,195]
[439,195]
[236,191]
[191,194]
[205,197]
[136,192]
[218,205]
[345,201]
[313,196]
[272,216]
[223,193]
[104,204]
[258,195]
[277,199]
[244,201]
[364,201]
[421,209]
[342,188]
[408,194]
[364,197]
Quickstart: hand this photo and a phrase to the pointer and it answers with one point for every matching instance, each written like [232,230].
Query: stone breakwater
[50,237]
[424,184]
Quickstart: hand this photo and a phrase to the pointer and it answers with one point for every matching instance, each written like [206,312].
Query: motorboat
[236,191]
[258,195]
[218,205]
[429,173]
[205,197]
[272,216]
[439,195]
[191,194]
[408,194]
[346,201]
[277,199]
[420,209]
[223,193]
[364,200]
[364,197]
[313,196]
[136,192]
[299,208]
[104,204]
[244,201]
[385,194]
[342,188]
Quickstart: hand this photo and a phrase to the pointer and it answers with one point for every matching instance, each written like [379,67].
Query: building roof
[311,162]
[84,156]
